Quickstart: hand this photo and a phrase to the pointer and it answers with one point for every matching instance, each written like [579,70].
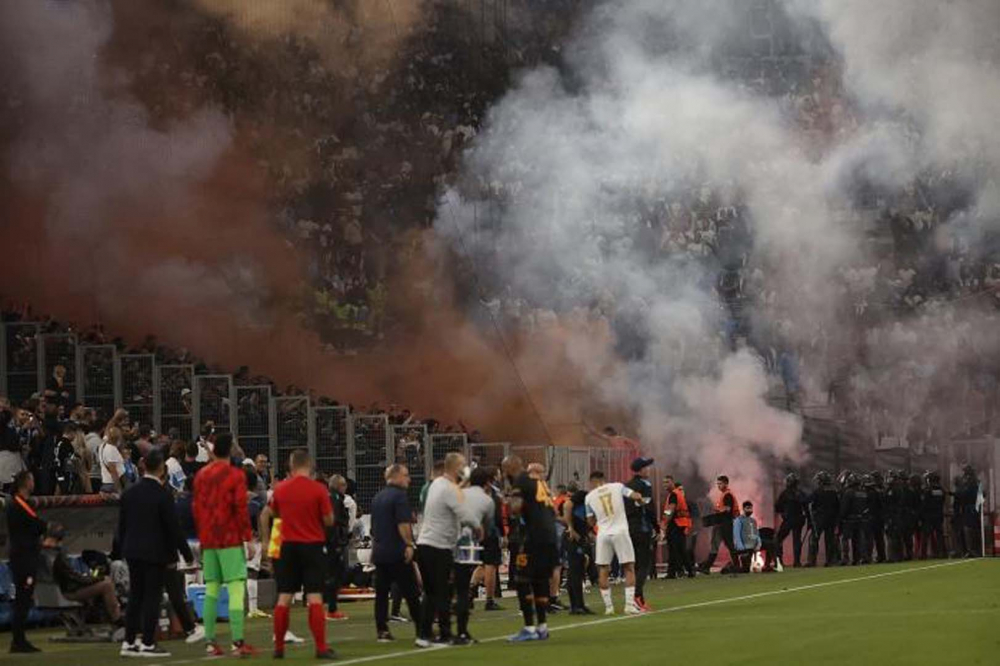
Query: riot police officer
[894,507]
[876,522]
[824,507]
[932,516]
[912,500]
[791,505]
[855,514]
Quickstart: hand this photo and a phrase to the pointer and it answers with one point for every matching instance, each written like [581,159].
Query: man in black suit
[150,537]
[26,530]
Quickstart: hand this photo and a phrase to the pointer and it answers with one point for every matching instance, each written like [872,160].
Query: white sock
[606,595]
[629,596]
[531,629]
[251,595]
[543,626]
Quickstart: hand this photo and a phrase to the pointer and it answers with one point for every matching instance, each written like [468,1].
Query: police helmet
[792,479]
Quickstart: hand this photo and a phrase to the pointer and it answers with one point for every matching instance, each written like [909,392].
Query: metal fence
[215,401]
[410,446]
[253,419]
[98,386]
[330,432]
[489,454]
[289,423]
[174,409]
[21,374]
[441,444]
[137,374]
[615,463]
[372,452]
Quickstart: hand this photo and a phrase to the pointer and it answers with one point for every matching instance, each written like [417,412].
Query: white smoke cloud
[647,115]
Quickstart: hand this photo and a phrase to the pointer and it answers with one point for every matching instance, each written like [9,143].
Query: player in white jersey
[606,509]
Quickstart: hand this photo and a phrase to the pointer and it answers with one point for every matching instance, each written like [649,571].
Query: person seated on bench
[74,585]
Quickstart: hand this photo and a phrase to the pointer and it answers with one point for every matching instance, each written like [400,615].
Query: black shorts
[301,567]
[536,563]
[491,551]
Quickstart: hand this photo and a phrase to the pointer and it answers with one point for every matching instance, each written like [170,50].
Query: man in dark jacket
[150,537]
[26,530]
[855,515]
[642,526]
[932,516]
[791,506]
[73,584]
[338,538]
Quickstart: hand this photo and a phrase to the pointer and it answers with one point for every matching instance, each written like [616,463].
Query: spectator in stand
[263,469]
[175,466]
[393,549]
[303,505]
[150,537]
[57,385]
[144,443]
[191,465]
[205,442]
[111,462]
[26,530]
[223,522]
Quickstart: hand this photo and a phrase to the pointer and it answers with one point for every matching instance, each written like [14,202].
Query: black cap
[641,463]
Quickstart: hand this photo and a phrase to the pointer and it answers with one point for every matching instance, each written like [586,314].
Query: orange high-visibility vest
[682,517]
[720,506]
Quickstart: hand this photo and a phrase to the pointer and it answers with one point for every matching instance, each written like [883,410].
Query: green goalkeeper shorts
[224,565]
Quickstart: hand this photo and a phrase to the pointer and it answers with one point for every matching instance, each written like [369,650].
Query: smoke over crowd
[671,222]
[643,113]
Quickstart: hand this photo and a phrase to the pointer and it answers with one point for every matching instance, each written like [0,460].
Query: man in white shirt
[111,462]
[606,508]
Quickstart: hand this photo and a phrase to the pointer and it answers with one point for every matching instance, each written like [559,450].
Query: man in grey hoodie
[482,506]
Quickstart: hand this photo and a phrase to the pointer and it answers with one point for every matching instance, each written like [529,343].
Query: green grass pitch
[939,613]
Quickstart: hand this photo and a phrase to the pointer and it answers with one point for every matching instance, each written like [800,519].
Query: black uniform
[855,514]
[578,551]
[932,520]
[26,531]
[538,555]
[912,500]
[824,505]
[338,538]
[876,521]
[642,525]
[791,505]
[895,521]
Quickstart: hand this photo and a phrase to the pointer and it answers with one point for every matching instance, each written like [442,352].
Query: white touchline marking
[674,609]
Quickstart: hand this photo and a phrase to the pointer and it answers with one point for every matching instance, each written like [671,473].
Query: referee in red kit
[303,504]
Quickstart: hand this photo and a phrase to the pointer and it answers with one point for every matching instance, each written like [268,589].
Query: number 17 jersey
[607,505]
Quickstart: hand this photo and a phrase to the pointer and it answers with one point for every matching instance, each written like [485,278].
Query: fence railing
[173,399]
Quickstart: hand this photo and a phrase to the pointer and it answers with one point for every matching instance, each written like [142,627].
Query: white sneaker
[129,649]
[633,609]
[292,638]
[197,634]
[151,651]
[609,610]
[423,643]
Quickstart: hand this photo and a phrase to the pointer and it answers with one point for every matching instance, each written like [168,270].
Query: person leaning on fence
[393,549]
